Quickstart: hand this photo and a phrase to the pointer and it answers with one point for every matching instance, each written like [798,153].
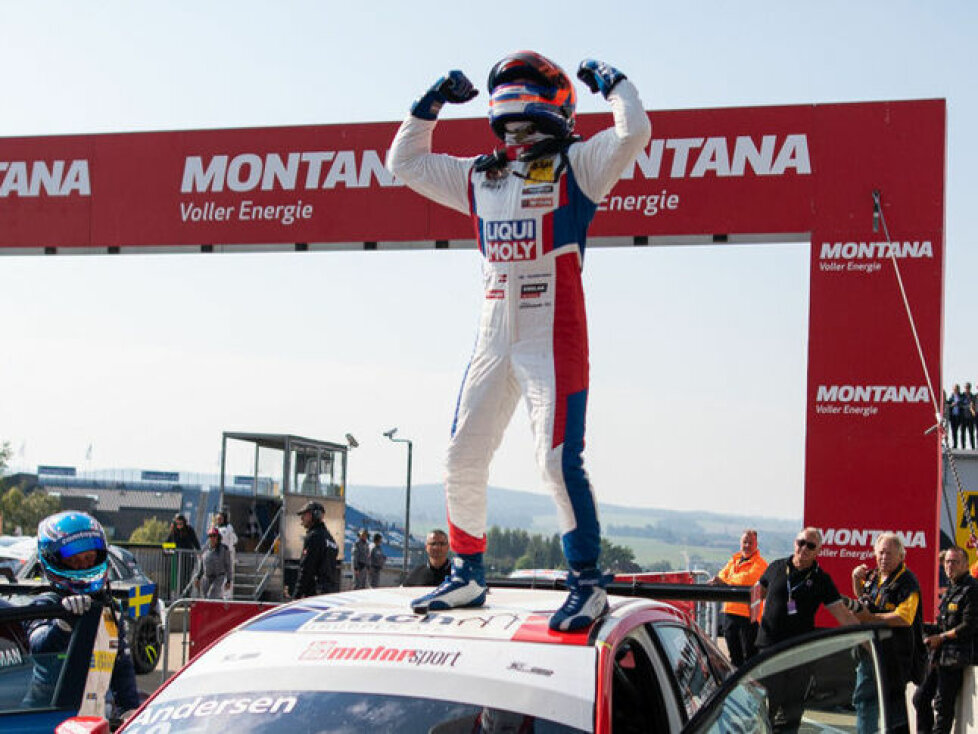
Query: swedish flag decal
[141,600]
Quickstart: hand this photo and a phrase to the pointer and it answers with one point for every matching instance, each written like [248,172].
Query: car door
[694,678]
[642,699]
[809,673]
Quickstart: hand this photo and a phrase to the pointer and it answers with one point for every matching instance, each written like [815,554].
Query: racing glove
[599,76]
[454,87]
[77,604]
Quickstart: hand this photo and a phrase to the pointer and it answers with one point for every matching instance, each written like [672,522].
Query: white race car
[361,661]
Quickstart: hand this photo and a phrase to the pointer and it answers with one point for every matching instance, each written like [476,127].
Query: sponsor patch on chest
[537,202]
[540,171]
[510,240]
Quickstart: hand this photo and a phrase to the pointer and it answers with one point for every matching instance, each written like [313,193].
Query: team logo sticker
[541,171]
[510,240]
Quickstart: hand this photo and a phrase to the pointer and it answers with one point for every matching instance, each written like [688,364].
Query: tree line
[511,549]
[20,512]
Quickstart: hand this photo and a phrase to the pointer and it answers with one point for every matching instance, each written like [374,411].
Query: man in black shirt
[793,588]
[318,572]
[953,647]
[437,567]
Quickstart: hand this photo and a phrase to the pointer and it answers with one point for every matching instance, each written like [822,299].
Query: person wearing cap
[318,572]
[215,567]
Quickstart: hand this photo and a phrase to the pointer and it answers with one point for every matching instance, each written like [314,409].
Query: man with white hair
[889,593]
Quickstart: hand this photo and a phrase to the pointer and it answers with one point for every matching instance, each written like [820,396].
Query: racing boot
[586,601]
[466,587]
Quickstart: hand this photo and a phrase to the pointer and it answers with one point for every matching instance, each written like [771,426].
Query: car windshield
[324,711]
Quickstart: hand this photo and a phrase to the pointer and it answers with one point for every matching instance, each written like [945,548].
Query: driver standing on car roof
[531,202]
[72,549]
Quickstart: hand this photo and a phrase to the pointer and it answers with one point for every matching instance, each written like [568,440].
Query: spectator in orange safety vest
[744,569]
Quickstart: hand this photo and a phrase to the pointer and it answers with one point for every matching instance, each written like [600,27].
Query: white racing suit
[532,339]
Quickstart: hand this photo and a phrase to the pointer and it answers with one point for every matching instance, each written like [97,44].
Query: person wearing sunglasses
[793,589]
[437,566]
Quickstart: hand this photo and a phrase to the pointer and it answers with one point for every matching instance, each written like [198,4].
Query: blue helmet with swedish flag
[72,549]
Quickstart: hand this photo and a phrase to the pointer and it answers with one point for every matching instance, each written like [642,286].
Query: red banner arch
[803,173]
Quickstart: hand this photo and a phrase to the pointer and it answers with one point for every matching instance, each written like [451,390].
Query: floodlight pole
[407,501]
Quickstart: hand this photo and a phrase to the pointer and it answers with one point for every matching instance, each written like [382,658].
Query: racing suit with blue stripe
[45,636]
[531,222]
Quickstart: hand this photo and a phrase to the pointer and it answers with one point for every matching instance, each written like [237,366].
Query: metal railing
[171,569]
[271,525]
[707,612]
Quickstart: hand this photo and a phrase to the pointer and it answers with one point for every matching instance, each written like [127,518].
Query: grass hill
[684,539]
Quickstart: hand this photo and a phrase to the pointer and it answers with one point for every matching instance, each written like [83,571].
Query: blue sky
[698,354]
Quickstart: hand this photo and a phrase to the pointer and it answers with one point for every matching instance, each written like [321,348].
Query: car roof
[17,546]
[516,614]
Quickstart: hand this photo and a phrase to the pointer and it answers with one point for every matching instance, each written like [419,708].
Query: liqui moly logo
[52,178]
[510,240]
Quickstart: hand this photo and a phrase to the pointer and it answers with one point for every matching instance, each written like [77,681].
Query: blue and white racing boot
[586,601]
[466,587]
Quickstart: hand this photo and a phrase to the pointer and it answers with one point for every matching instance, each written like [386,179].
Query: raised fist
[454,87]
[599,76]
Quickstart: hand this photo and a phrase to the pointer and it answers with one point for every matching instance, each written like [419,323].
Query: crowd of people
[960,410]
[933,657]
[787,594]
[368,560]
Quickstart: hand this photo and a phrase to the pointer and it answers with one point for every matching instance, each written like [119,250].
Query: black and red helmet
[525,86]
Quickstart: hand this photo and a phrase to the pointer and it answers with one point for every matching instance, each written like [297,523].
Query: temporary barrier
[202,622]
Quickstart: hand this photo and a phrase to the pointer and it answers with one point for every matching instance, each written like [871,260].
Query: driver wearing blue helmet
[72,549]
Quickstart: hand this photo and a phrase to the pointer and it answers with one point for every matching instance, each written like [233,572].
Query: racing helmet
[68,534]
[525,86]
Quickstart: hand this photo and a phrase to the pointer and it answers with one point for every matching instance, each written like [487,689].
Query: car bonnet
[501,655]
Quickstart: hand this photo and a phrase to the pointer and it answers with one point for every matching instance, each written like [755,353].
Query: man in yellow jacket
[744,569]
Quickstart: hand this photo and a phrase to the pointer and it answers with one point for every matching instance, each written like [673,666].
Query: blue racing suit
[45,636]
